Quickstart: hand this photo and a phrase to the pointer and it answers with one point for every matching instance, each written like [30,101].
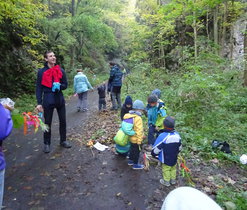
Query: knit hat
[138,105]
[157,92]
[128,101]
[152,99]
[169,122]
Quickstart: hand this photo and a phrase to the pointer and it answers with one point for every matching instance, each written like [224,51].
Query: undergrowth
[208,101]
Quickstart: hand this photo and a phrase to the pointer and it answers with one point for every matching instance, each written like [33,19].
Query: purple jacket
[6,126]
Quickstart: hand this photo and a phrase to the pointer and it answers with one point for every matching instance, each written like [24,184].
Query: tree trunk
[216,26]
[223,37]
[195,33]
[73,8]
[207,29]
[231,42]
[245,57]
[72,57]
[162,53]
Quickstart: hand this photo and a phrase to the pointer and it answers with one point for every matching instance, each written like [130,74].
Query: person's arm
[63,82]
[6,123]
[112,74]
[88,83]
[139,129]
[158,145]
[109,86]
[122,113]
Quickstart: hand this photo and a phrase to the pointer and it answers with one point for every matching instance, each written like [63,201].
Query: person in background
[81,87]
[102,101]
[157,92]
[127,106]
[115,82]
[51,80]
[6,126]
[166,147]
[137,138]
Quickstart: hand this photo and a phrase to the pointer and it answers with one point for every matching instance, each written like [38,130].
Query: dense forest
[89,33]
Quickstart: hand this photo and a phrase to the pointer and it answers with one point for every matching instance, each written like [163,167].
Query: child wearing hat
[127,106]
[135,115]
[166,147]
[156,112]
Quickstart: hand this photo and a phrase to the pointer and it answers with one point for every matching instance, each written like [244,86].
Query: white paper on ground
[100,146]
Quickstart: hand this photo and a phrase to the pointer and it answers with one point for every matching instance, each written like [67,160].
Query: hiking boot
[85,109]
[46,148]
[173,181]
[65,144]
[130,163]
[138,166]
[165,183]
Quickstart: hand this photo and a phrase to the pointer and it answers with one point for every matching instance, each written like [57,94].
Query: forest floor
[84,178]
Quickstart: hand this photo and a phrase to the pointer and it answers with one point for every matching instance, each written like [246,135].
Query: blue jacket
[44,95]
[154,111]
[115,76]
[6,126]
[167,147]
[81,83]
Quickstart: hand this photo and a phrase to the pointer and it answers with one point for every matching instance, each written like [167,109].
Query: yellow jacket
[137,127]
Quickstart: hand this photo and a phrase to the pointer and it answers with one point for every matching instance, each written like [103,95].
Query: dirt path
[72,178]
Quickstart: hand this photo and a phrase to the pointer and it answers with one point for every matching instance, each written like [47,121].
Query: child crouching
[166,147]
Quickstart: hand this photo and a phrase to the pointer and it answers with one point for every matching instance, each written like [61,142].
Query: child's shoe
[138,166]
[165,183]
[130,162]
[173,181]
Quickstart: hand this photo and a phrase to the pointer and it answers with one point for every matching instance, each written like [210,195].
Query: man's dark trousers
[48,113]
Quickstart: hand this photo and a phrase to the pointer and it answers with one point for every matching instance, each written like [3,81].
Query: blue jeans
[1,187]
[102,103]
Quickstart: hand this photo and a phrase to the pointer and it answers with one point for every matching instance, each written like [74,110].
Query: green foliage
[209,103]
[207,98]
[25,103]
[18,34]
[237,197]
[17,119]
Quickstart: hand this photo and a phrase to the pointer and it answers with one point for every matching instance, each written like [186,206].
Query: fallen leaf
[215,160]
[27,187]
[118,194]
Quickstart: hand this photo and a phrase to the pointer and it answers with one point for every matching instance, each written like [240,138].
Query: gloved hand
[56,87]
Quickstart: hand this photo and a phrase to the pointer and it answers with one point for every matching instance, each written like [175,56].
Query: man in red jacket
[51,80]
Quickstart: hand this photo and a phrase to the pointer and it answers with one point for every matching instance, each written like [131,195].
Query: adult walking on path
[51,80]
[115,82]
[81,87]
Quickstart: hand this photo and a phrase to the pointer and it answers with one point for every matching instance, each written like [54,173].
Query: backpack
[126,130]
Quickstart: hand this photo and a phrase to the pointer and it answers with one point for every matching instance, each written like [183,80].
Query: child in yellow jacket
[136,140]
